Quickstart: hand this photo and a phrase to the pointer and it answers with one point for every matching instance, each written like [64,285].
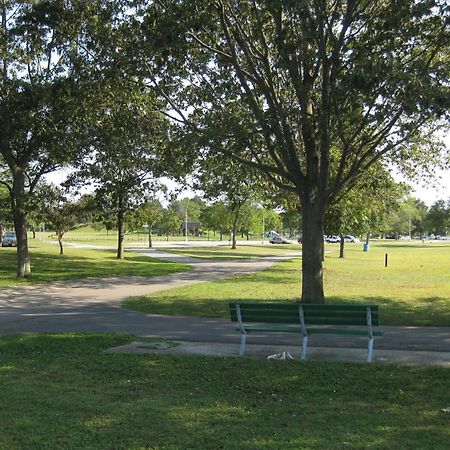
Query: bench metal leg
[242,347]
[304,347]
[370,350]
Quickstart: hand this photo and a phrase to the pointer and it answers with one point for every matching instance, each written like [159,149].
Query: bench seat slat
[294,305]
[312,321]
[324,315]
[343,330]
[262,328]
[311,330]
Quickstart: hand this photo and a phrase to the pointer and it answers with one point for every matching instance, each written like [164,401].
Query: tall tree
[438,217]
[127,153]
[312,93]
[37,100]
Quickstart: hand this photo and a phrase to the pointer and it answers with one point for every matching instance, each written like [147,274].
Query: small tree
[170,222]
[6,219]
[149,214]
[59,213]
[364,207]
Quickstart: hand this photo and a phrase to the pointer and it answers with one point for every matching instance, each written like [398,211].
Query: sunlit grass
[103,237]
[62,391]
[241,252]
[413,289]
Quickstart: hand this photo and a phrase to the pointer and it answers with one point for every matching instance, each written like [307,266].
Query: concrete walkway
[94,305]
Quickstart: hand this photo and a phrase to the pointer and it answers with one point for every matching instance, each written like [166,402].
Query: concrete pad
[330,354]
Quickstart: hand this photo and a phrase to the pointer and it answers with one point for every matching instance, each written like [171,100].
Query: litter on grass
[281,356]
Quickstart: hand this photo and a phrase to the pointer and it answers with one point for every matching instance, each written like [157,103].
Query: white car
[279,240]
[350,238]
[331,239]
[9,239]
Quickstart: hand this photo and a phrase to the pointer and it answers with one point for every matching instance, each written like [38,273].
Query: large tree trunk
[312,247]
[20,224]
[120,229]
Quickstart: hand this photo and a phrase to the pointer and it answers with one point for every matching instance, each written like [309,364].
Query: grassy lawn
[241,252]
[48,265]
[61,391]
[109,238]
[413,290]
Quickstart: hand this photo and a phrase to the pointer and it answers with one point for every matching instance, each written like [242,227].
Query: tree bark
[341,247]
[234,229]
[312,268]
[150,242]
[120,228]
[18,204]
[61,248]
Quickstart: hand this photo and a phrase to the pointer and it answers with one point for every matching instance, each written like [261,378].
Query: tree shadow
[63,392]
[47,267]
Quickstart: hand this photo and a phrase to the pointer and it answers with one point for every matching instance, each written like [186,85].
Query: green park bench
[306,319]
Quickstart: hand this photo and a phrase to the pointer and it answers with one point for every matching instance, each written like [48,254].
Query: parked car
[350,238]
[279,240]
[9,239]
[332,239]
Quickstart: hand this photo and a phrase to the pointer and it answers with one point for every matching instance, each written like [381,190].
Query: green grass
[48,265]
[413,290]
[62,392]
[109,238]
[241,252]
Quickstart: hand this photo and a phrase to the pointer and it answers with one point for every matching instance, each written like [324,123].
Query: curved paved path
[94,305]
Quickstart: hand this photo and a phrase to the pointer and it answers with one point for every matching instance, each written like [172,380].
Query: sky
[428,193]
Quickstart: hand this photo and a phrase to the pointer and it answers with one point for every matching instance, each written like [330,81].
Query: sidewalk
[354,355]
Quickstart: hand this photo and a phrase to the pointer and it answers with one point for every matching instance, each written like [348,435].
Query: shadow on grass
[63,392]
[47,267]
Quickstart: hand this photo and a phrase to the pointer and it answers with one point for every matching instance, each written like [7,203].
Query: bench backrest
[280,312]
